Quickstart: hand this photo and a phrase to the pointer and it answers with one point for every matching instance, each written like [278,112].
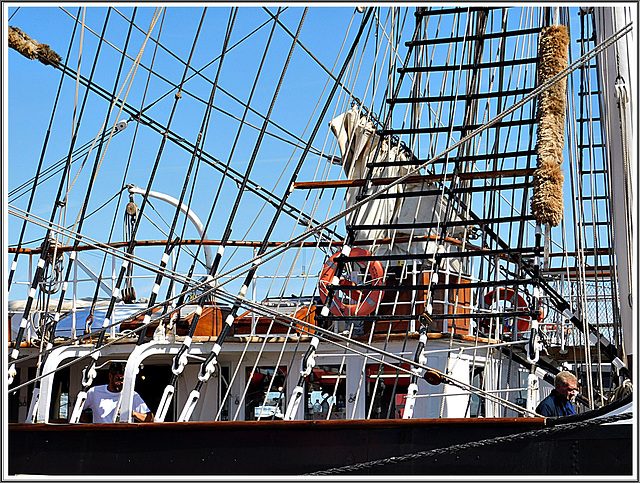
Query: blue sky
[32,88]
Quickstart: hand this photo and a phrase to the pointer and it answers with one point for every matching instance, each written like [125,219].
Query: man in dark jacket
[558,403]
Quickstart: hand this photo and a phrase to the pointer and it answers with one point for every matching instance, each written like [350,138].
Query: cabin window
[477,403]
[151,381]
[224,399]
[325,394]
[59,411]
[19,401]
[15,401]
[265,397]
[386,391]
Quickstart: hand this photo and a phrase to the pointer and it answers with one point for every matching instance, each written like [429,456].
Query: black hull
[301,447]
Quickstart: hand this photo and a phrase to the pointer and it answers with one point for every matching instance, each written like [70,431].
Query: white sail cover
[359,145]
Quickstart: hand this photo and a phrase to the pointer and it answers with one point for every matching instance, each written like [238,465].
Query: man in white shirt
[103,401]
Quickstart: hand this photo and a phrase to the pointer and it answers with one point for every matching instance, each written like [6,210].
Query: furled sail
[359,146]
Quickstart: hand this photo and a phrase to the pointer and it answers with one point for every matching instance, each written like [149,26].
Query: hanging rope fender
[546,202]
[563,428]
[31,48]
[365,302]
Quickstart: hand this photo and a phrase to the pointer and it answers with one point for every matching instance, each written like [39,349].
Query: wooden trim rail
[349,183]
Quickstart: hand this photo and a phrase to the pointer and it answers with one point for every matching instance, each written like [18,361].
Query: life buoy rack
[365,302]
[502,293]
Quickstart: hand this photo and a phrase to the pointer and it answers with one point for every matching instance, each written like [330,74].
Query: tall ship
[324,240]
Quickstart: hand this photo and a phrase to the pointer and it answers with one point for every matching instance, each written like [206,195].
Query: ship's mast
[618,76]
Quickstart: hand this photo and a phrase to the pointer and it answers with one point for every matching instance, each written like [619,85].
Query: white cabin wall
[207,406]
[355,396]
[75,384]
[293,376]
[427,405]
[544,388]
[492,381]
[23,395]
[457,399]
[511,379]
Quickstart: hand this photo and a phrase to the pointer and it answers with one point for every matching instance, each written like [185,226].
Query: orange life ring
[365,302]
[306,314]
[507,294]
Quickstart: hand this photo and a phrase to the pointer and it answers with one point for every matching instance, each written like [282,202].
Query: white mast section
[618,76]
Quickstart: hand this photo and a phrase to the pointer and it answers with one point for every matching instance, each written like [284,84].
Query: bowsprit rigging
[453,239]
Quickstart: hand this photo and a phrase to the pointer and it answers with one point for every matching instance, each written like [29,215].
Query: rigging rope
[74,130]
[114,100]
[208,366]
[284,27]
[195,156]
[224,175]
[246,176]
[46,174]
[179,361]
[94,244]
[50,329]
[16,11]
[129,290]
[38,169]
[164,403]
[46,245]
[207,158]
[269,254]
[199,73]
[89,372]
[300,219]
